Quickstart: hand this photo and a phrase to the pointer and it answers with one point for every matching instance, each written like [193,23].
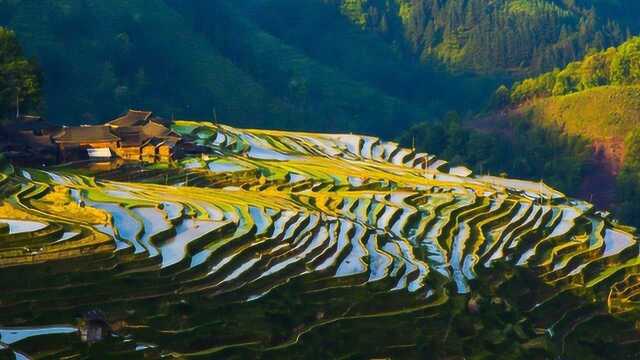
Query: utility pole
[215,115]
[17,104]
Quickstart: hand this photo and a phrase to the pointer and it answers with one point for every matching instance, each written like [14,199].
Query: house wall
[78,151]
[129,152]
[165,151]
[149,150]
[95,145]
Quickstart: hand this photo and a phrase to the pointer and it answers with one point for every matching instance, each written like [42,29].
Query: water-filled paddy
[363,256]
[22,226]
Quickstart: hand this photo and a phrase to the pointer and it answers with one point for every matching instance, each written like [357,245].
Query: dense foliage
[247,62]
[615,66]
[522,151]
[20,82]
[628,181]
[597,98]
[521,36]
[328,65]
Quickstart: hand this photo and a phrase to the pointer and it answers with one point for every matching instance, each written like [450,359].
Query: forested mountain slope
[489,36]
[597,99]
[198,58]
[367,66]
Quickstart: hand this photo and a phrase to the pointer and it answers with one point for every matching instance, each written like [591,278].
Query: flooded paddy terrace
[302,245]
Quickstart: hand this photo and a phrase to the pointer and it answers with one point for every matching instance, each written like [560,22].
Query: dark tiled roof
[139,135]
[153,129]
[31,123]
[77,134]
[130,139]
[133,129]
[132,118]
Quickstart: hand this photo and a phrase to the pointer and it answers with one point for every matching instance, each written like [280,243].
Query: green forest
[375,66]
[523,150]
[229,60]
[513,36]
[615,66]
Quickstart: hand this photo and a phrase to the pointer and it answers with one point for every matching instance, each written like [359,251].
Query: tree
[562,86]
[501,98]
[625,67]
[628,181]
[594,71]
[20,79]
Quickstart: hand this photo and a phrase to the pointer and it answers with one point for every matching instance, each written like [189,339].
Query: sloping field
[606,112]
[298,245]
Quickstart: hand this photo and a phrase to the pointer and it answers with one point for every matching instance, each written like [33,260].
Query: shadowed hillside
[315,65]
[222,59]
[597,99]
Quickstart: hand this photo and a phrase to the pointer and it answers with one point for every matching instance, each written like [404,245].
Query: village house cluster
[137,135]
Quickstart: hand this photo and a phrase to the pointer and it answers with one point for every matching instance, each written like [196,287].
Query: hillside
[570,127]
[596,99]
[273,244]
[218,59]
[487,36]
[315,65]
[599,114]
[356,182]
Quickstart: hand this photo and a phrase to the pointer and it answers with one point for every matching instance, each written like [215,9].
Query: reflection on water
[22,226]
[358,260]
[13,335]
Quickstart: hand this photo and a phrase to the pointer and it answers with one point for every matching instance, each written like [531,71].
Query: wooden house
[144,136]
[82,142]
[137,135]
[33,131]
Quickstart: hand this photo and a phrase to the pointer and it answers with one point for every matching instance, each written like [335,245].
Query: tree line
[489,36]
[614,66]
[524,150]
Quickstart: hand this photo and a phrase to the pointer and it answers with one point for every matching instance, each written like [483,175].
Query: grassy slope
[603,115]
[599,113]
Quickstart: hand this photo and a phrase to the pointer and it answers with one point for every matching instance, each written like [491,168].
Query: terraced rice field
[295,245]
